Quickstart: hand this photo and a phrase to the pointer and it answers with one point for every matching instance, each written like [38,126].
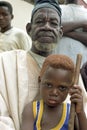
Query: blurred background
[22,11]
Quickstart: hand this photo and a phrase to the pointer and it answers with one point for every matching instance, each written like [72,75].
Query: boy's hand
[77,98]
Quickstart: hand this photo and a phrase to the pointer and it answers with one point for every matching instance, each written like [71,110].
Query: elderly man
[19,71]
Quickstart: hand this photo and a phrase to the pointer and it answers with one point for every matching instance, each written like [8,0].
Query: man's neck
[71,2]
[45,54]
[5,29]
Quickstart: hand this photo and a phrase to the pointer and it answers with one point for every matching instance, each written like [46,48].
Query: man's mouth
[45,34]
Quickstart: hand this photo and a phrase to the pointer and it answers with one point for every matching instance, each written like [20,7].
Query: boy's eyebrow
[62,84]
[47,81]
[66,84]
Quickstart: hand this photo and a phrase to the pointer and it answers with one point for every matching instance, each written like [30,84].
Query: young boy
[50,112]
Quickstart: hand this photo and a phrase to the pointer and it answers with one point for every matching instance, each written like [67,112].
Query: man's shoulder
[18,30]
[14,31]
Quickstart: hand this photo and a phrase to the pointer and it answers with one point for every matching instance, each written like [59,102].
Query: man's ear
[12,16]
[28,28]
[61,31]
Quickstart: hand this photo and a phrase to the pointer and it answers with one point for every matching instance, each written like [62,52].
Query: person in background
[83,72]
[11,37]
[74,22]
[50,111]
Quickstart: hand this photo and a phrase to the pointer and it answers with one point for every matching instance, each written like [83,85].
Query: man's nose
[47,25]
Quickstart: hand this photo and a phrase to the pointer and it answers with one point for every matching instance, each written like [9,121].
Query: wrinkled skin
[45,31]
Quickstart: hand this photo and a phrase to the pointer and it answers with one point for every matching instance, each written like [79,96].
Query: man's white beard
[45,47]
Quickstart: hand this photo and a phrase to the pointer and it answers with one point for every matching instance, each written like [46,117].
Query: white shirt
[67,45]
[14,39]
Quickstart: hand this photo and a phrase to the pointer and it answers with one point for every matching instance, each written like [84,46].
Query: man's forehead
[53,4]
[46,11]
[4,8]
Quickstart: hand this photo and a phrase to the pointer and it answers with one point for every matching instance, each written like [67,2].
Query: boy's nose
[55,91]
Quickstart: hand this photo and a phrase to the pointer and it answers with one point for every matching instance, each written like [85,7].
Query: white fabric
[69,46]
[14,39]
[39,59]
[18,86]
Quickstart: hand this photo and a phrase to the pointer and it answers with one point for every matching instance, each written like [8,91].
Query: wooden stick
[76,79]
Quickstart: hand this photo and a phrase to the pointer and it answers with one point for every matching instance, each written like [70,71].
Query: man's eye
[39,21]
[5,14]
[54,23]
[62,88]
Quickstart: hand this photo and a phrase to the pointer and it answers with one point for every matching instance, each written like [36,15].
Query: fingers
[75,89]
[76,94]
[76,97]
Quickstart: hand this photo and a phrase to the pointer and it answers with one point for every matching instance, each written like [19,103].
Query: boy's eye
[47,85]
[62,88]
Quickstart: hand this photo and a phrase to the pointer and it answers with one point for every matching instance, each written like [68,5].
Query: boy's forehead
[58,75]
[57,71]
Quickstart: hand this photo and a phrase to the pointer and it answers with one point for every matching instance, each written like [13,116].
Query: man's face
[45,28]
[5,17]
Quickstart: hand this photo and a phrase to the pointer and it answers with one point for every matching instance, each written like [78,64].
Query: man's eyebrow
[39,17]
[53,18]
[42,17]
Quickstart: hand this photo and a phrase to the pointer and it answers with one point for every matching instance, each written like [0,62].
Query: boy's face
[55,85]
[5,17]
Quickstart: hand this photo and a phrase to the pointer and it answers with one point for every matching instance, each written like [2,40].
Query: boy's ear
[28,28]
[39,79]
